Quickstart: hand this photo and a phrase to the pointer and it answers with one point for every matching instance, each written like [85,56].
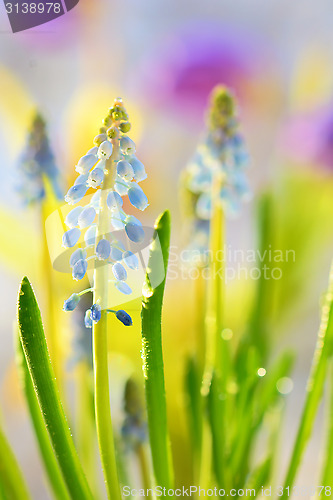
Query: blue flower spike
[37,165]
[220,160]
[112,169]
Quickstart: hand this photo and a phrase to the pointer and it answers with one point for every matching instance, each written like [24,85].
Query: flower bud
[86,217]
[103,249]
[96,312]
[125,170]
[76,193]
[124,317]
[95,178]
[71,237]
[79,269]
[85,163]
[125,127]
[72,218]
[71,303]
[137,197]
[114,201]
[130,260]
[119,272]
[127,146]
[87,319]
[105,150]
[99,139]
[123,287]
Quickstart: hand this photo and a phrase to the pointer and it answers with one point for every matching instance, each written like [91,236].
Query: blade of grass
[327,472]
[11,478]
[34,345]
[152,354]
[49,460]
[314,388]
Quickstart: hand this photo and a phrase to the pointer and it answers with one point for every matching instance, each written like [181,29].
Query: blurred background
[164,58]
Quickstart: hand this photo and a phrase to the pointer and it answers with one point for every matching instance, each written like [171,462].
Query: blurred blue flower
[220,160]
[37,164]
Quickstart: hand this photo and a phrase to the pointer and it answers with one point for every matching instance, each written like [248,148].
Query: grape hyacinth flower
[111,168]
[216,175]
[37,164]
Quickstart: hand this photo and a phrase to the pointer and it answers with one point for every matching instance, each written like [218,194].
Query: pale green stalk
[100,343]
[141,454]
[213,328]
[85,423]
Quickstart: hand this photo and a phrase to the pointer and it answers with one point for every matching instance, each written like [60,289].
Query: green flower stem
[11,478]
[152,354]
[85,423]
[34,345]
[100,344]
[213,326]
[49,460]
[200,310]
[323,352]
[141,453]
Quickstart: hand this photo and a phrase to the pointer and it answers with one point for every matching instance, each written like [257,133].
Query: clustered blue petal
[93,168]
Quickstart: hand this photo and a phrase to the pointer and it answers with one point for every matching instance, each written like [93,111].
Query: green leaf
[38,361]
[12,484]
[315,386]
[152,354]
[194,403]
[50,462]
